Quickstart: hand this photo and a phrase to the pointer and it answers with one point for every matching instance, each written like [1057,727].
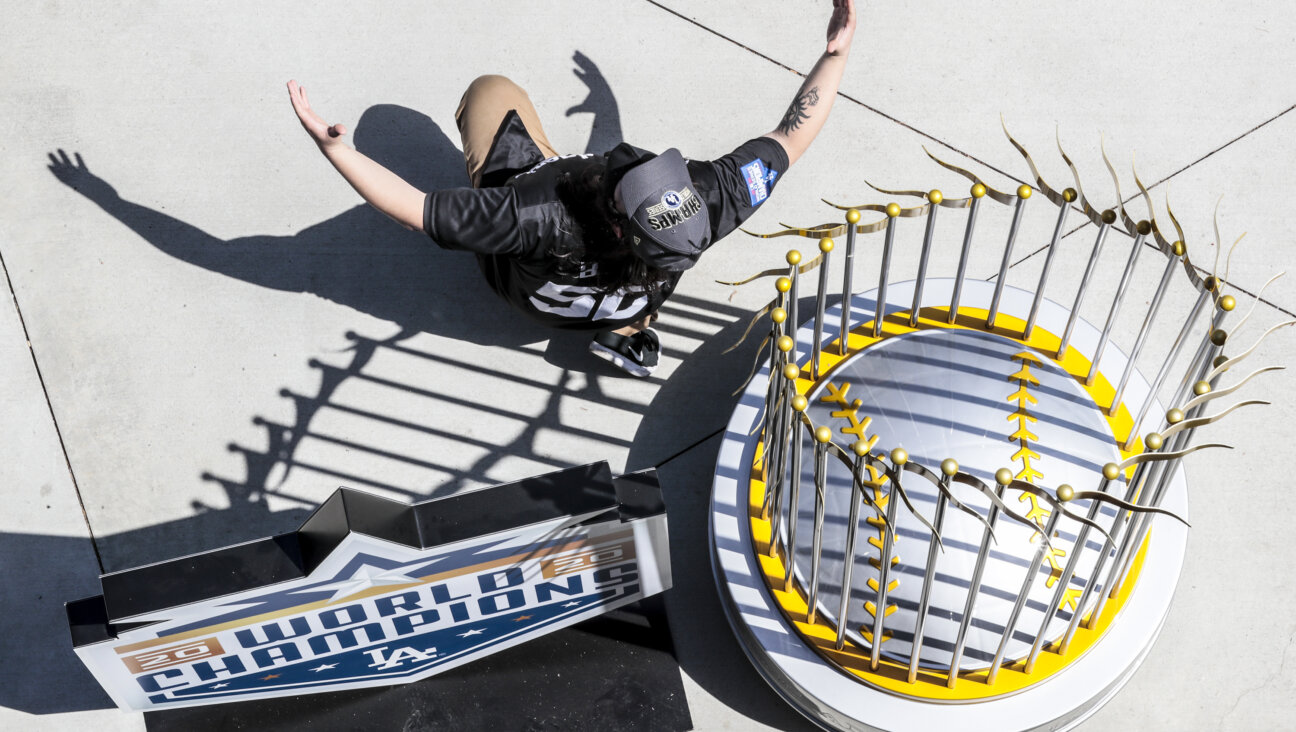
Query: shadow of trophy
[950,503]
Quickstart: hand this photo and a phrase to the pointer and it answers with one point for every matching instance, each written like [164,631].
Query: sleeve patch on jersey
[758,179]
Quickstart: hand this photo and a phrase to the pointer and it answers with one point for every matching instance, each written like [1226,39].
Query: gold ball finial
[791,371]
[799,403]
[860,448]
[1024,191]
[778,315]
[935,196]
[1065,492]
[1210,283]
[1070,195]
[1219,336]
[949,466]
[857,404]
[1109,217]
[852,216]
[899,456]
[1219,361]
[823,434]
[1154,441]
[825,245]
[1003,476]
[978,190]
[793,257]
[783,284]
[1144,228]
[1227,303]
[1179,248]
[1111,471]
[785,343]
[893,210]
[1175,416]
[1201,387]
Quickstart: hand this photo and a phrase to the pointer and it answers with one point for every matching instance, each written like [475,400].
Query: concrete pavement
[208,332]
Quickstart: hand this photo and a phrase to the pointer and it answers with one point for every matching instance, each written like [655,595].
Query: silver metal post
[974,586]
[1201,363]
[1126,276]
[1141,339]
[978,192]
[898,458]
[1139,525]
[929,576]
[794,494]
[1164,372]
[1131,489]
[1122,540]
[1064,582]
[1108,218]
[1023,193]
[852,526]
[820,479]
[893,210]
[1022,594]
[774,436]
[789,440]
[794,321]
[1158,481]
[1068,196]
[852,218]
[821,297]
[934,198]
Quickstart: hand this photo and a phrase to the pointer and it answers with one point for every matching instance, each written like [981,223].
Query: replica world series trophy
[948,503]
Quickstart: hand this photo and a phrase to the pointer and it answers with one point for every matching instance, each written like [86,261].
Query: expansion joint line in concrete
[680,452]
[1127,200]
[841,94]
[13,295]
[969,156]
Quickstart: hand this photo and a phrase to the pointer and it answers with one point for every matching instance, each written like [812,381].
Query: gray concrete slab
[46,557]
[1171,83]
[235,337]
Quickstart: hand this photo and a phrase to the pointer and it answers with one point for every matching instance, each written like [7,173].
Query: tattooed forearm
[799,110]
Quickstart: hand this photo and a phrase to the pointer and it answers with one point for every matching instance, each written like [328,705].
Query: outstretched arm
[809,110]
[383,189]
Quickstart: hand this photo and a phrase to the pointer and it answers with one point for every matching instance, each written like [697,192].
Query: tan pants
[482,109]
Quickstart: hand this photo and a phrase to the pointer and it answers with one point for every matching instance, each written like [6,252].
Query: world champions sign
[370,592]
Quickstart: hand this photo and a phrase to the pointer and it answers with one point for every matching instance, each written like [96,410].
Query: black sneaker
[635,354]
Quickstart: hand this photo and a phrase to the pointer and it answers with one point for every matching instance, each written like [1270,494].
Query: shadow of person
[605,133]
[358,258]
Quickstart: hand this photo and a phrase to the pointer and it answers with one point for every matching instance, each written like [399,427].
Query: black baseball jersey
[515,220]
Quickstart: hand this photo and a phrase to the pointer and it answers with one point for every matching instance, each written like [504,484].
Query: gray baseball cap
[669,223]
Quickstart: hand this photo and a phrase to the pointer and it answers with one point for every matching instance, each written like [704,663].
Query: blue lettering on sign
[758,179]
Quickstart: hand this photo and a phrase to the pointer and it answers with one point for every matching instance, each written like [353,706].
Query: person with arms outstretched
[588,242]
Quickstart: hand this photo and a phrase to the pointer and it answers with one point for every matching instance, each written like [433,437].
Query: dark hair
[587,196]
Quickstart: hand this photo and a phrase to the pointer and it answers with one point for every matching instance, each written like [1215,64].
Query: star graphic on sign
[520,618]
[220,686]
[324,667]
[474,631]
[267,677]
[365,578]
[573,602]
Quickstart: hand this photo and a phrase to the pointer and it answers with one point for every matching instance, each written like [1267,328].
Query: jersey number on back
[574,301]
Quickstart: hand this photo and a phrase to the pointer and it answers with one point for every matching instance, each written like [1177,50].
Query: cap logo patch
[670,201]
[675,208]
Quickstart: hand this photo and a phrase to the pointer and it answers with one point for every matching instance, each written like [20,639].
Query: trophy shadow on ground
[704,388]
[412,284]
